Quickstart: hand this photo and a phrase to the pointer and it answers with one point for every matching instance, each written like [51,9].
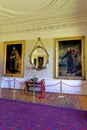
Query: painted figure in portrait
[70,58]
[13,60]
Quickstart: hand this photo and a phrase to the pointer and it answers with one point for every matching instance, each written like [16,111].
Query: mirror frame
[43,67]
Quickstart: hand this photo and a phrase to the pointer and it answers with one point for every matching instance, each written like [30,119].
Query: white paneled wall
[51,85]
[45,73]
[47,36]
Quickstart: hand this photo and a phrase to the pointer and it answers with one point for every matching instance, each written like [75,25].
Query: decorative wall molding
[45,28]
[40,13]
[31,18]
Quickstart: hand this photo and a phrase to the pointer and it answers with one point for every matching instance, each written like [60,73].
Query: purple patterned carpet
[19,115]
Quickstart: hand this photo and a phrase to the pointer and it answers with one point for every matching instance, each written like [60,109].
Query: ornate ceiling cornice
[41,15]
[44,28]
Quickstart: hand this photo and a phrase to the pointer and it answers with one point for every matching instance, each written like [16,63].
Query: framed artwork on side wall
[70,58]
[13,58]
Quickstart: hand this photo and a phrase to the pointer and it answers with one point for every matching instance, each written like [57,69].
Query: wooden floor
[54,99]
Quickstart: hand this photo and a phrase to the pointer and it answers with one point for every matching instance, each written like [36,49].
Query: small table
[37,83]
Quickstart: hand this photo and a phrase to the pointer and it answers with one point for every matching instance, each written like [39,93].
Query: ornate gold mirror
[39,56]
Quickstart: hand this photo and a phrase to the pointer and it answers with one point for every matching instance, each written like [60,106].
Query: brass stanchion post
[0,88]
[14,91]
[61,96]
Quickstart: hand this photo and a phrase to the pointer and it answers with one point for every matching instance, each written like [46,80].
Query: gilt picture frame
[70,58]
[13,58]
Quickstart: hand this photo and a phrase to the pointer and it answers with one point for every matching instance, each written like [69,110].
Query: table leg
[42,90]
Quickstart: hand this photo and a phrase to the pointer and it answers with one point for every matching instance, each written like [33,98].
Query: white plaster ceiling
[29,13]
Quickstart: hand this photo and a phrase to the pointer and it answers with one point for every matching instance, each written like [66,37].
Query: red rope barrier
[7,80]
[12,80]
[22,83]
[19,82]
[74,86]
[52,84]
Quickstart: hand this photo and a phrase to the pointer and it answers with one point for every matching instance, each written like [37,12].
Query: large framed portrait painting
[13,58]
[70,58]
